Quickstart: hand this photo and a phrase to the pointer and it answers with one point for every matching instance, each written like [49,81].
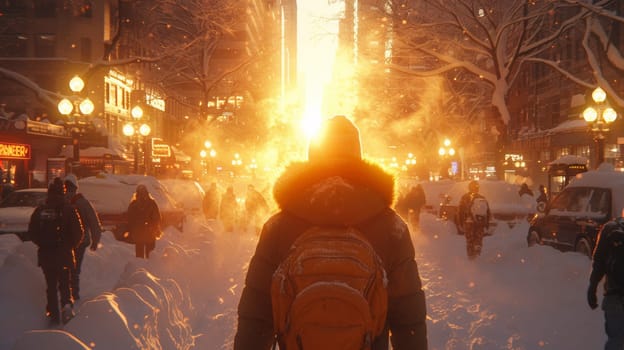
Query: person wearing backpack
[56,229]
[608,264]
[474,217]
[92,227]
[333,209]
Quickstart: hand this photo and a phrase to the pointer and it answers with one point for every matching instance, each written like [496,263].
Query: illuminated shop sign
[14,150]
[160,149]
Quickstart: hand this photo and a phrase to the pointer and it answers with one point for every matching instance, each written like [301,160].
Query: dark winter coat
[255,204]
[349,193]
[228,209]
[464,208]
[90,219]
[601,257]
[413,200]
[57,251]
[143,220]
[211,203]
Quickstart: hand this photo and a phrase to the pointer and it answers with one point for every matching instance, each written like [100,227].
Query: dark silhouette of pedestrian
[608,264]
[92,229]
[474,215]
[143,222]
[542,199]
[414,200]
[55,227]
[256,208]
[210,203]
[228,209]
[524,189]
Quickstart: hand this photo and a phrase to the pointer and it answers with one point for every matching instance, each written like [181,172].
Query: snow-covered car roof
[111,194]
[604,177]
[187,192]
[502,196]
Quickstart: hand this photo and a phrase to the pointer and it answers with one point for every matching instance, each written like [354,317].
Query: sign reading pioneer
[14,150]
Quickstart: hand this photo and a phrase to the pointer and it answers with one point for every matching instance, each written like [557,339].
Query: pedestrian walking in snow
[56,229]
[228,209]
[210,203]
[334,191]
[92,229]
[608,264]
[474,217]
[143,222]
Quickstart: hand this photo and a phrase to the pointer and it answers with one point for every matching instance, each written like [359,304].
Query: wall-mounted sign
[14,150]
[160,149]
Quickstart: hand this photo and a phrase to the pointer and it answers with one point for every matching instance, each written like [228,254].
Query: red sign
[14,151]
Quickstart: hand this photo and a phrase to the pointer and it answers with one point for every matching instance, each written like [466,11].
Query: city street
[185,296]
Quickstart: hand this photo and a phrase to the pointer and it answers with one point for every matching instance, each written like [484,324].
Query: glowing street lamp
[77,107]
[599,116]
[446,151]
[135,130]
[210,152]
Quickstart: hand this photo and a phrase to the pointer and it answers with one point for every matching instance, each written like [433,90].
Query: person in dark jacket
[474,230]
[414,200]
[92,229]
[256,208]
[336,187]
[524,189]
[228,209]
[210,203]
[542,199]
[56,229]
[143,222]
[613,297]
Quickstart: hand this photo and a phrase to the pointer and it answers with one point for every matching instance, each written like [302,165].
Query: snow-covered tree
[493,40]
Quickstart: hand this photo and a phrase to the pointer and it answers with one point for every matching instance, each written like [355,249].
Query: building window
[82,8]
[45,8]
[13,7]
[584,151]
[107,93]
[13,45]
[45,45]
[85,49]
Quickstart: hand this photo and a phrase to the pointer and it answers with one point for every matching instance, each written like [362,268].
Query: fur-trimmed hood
[334,192]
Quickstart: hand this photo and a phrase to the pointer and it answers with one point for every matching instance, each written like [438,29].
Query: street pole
[136,153]
[600,141]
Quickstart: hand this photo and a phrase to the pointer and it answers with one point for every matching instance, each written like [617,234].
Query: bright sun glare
[317,40]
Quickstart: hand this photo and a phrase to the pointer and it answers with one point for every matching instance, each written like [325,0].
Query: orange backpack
[330,292]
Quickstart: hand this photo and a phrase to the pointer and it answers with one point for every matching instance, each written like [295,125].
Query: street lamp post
[210,152]
[446,151]
[80,107]
[135,129]
[599,116]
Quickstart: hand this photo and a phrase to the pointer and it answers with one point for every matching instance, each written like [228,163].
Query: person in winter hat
[143,222]
[336,187]
[613,296]
[92,228]
[55,227]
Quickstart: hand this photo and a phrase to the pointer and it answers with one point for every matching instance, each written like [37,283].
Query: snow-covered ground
[185,296]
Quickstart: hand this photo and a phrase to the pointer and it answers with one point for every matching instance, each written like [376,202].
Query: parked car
[190,194]
[574,217]
[111,195]
[16,209]
[506,205]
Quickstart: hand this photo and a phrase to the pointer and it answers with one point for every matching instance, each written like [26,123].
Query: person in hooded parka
[143,222]
[56,228]
[336,187]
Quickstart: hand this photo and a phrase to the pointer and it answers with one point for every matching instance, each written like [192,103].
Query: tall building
[42,46]
[546,107]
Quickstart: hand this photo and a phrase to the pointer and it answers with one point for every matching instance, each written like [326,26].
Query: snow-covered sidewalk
[185,296]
